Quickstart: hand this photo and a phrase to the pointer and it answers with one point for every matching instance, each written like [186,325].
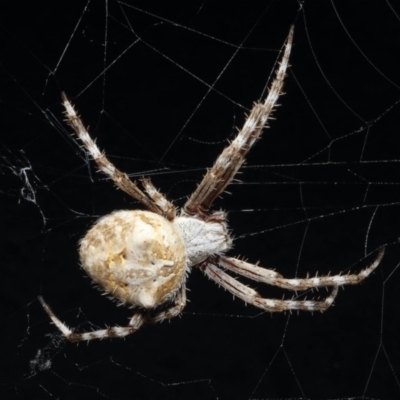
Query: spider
[142,258]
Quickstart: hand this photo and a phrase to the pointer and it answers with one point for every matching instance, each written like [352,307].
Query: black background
[322,183]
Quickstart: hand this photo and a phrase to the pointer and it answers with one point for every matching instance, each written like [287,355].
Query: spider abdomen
[136,256]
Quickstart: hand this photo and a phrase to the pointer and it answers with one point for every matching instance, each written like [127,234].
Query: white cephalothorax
[142,258]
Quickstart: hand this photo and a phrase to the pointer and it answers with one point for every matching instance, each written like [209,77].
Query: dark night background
[319,192]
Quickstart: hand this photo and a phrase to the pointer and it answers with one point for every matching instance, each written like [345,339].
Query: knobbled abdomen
[136,256]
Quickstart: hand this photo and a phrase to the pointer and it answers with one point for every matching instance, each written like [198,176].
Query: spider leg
[250,296]
[174,310]
[113,332]
[270,277]
[168,209]
[231,159]
[120,179]
[135,323]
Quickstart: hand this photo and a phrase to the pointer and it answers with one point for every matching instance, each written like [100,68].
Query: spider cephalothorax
[142,258]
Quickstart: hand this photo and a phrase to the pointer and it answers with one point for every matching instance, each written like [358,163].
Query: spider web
[163,86]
